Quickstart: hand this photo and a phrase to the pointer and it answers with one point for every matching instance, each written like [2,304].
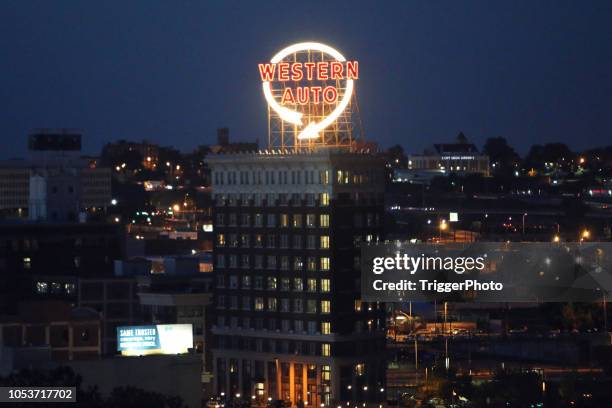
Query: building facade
[54,183]
[290,324]
[460,157]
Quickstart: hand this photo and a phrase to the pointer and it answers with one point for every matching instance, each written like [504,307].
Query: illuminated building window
[245,241]
[70,288]
[259,303]
[42,287]
[325,349]
[298,263]
[310,220]
[325,285]
[258,241]
[324,199]
[221,240]
[246,282]
[324,177]
[324,241]
[271,283]
[325,264]
[297,220]
[312,284]
[325,328]
[312,263]
[358,305]
[326,372]
[324,220]
[325,306]
[359,369]
[284,220]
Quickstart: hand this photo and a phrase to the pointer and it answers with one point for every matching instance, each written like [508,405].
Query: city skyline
[539,74]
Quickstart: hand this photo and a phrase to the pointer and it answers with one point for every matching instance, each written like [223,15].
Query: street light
[524,215]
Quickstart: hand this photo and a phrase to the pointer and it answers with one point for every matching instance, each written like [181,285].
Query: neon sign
[324,78]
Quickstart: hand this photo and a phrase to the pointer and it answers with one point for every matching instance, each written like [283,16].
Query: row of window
[273,199]
[293,177]
[286,325]
[273,220]
[311,263]
[313,285]
[278,346]
[272,304]
[270,241]
[293,326]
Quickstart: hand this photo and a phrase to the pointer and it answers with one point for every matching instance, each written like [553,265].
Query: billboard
[154,339]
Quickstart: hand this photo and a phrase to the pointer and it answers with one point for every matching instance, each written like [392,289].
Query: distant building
[54,183]
[46,260]
[67,333]
[460,157]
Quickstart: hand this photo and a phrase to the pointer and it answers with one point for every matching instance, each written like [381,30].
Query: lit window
[27,263]
[325,327]
[325,285]
[324,241]
[259,303]
[358,305]
[284,220]
[325,264]
[324,220]
[324,199]
[297,220]
[42,287]
[221,240]
[325,349]
[325,306]
[312,284]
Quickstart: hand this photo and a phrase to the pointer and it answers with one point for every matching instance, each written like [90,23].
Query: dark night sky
[172,72]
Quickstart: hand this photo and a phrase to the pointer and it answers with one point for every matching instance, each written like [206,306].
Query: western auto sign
[323,79]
